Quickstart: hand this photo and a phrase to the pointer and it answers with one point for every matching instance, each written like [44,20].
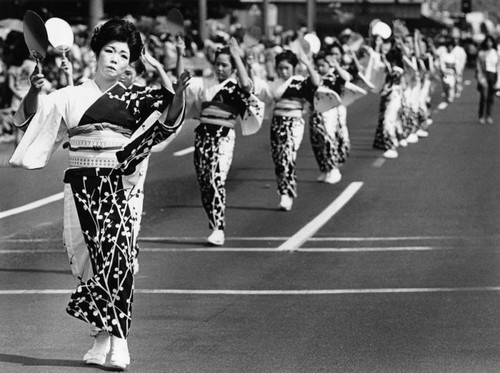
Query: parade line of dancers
[110,125]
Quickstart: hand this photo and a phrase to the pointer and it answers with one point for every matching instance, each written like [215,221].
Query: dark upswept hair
[138,66]
[485,41]
[225,50]
[321,55]
[335,44]
[117,30]
[287,55]
[395,56]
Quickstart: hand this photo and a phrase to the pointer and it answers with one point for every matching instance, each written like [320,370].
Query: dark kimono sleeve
[151,131]
[327,95]
[307,90]
[335,83]
[146,100]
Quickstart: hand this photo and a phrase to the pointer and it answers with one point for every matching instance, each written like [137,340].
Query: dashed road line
[379,162]
[182,152]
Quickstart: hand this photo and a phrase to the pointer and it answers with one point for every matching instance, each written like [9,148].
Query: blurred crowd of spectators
[16,64]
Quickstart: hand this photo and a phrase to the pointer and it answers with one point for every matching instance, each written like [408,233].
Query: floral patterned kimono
[287,126]
[220,107]
[389,128]
[109,136]
[411,90]
[328,133]
[424,99]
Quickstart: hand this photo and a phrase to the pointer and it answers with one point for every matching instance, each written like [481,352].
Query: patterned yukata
[287,126]
[424,99]
[222,106]
[389,123]
[328,132]
[411,90]
[110,136]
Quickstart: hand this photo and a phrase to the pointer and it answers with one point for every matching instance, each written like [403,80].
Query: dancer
[328,133]
[389,129]
[288,93]
[411,88]
[111,131]
[221,104]
[425,61]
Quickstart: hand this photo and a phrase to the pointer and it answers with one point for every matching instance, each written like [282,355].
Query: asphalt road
[394,269]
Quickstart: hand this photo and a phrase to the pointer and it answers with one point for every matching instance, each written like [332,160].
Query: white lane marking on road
[303,250]
[379,162]
[248,250]
[203,239]
[32,205]
[271,292]
[182,152]
[314,225]
[403,238]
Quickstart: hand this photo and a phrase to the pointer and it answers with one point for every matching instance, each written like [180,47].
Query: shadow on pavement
[33,270]
[32,361]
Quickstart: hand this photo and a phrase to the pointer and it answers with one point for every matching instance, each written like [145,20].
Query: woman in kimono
[344,63]
[389,129]
[411,88]
[426,66]
[289,93]
[328,134]
[111,131]
[221,103]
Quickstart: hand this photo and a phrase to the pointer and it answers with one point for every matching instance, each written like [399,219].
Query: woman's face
[409,43]
[386,47]
[323,67]
[113,60]
[128,77]
[284,70]
[423,47]
[336,53]
[223,67]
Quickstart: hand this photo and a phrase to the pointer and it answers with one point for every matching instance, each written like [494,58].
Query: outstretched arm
[241,70]
[31,99]
[343,73]
[180,46]
[148,59]
[313,74]
[178,101]
[67,69]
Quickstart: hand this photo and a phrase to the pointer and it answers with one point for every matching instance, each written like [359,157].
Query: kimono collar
[231,79]
[110,88]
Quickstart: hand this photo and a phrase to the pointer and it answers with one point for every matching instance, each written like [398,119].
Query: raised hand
[67,69]
[180,45]
[234,48]
[37,80]
[66,66]
[183,82]
[304,58]
[148,59]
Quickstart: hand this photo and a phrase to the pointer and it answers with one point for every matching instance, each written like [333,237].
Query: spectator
[487,67]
